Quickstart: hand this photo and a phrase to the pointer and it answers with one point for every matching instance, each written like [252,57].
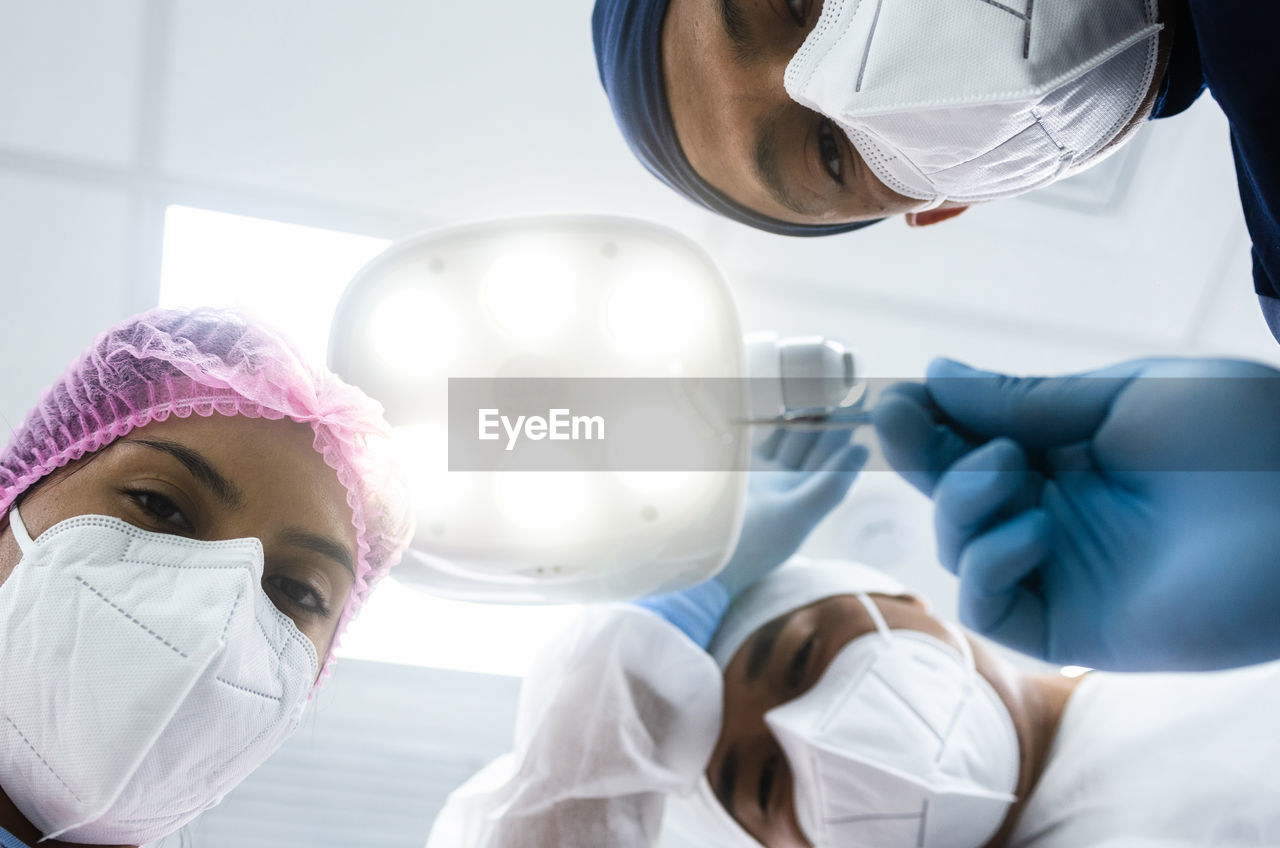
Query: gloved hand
[1125,519]
[797,477]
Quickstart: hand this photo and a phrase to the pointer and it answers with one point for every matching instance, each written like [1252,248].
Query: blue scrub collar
[1184,79]
[628,43]
[8,840]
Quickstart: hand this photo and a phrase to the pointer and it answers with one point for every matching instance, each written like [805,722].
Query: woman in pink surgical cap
[189,519]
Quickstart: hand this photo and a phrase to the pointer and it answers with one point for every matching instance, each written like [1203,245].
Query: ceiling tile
[71,78]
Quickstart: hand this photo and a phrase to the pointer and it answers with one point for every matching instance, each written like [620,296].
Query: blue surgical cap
[628,41]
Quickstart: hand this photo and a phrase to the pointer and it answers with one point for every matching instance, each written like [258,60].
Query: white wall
[385,116]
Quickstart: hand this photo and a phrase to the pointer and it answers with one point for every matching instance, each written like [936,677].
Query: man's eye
[829,149]
[299,594]
[799,10]
[162,509]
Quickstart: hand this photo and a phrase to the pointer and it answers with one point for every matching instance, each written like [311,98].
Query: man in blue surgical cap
[1123,519]
[809,118]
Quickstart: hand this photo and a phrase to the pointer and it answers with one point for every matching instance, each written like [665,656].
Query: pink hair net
[174,362]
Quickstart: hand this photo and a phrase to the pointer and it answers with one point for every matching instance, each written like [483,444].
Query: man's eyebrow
[735,29]
[765,162]
[200,468]
[727,778]
[322,545]
[762,645]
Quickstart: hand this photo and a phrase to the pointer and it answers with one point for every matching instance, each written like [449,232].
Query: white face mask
[972,100]
[900,743]
[145,675]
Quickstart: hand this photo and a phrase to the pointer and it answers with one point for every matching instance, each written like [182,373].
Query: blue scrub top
[8,840]
[1227,46]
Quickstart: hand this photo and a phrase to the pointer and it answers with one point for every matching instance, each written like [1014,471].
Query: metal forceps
[840,419]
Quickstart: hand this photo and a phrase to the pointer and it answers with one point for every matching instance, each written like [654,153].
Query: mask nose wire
[966,651]
[20,534]
[970,684]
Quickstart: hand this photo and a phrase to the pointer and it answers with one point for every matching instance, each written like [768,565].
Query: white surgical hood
[618,714]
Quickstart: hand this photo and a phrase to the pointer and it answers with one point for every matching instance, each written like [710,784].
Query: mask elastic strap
[876,616]
[20,534]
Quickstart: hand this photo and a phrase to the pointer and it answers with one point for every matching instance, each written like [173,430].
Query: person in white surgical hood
[189,517]
[845,713]
[853,716]
[622,710]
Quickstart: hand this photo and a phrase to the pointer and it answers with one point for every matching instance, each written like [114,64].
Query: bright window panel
[287,275]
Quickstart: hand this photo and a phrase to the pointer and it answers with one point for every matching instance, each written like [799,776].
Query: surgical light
[543,503]
[656,312]
[413,329]
[531,289]
[513,338]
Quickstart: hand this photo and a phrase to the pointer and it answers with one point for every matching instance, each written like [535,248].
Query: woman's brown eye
[829,149]
[299,595]
[162,509]
[799,10]
[796,671]
[764,790]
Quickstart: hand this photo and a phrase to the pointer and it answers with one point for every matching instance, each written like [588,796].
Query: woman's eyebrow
[200,468]
[322,545]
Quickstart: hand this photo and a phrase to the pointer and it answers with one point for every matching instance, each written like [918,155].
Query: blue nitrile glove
[797,478]
[1124,519]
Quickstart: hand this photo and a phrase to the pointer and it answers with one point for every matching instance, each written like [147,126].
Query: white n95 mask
[972,100]
[901,743]
[145,675]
